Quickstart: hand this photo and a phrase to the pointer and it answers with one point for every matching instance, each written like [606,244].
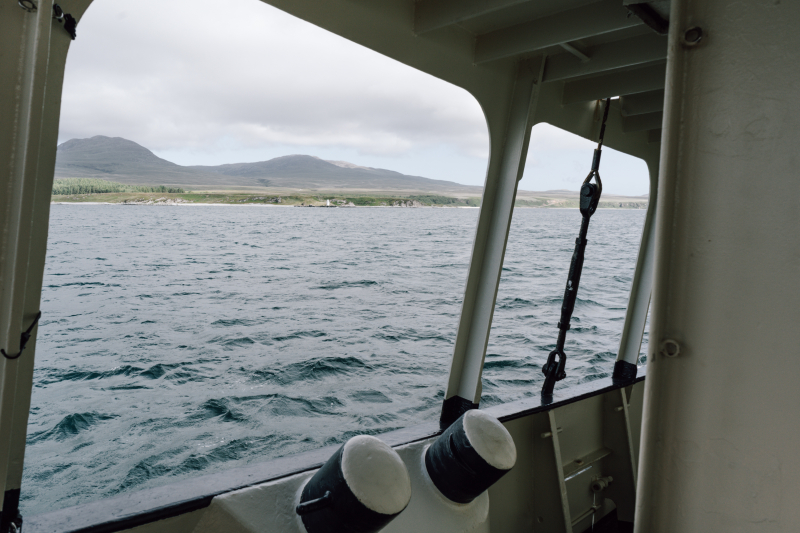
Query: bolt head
[670,348]
[693,35]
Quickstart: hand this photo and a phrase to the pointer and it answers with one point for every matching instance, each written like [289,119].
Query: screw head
[693,35]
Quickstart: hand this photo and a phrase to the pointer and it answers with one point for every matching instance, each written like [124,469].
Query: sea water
[178,341]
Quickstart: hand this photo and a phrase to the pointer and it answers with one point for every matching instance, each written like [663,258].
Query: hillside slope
[125,161]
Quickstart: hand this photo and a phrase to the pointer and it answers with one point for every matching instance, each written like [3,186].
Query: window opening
[191,339]
[540,244]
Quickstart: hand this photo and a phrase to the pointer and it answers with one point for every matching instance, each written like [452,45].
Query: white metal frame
[507,74]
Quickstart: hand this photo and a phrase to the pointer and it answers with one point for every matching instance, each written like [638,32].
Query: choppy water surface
[178,341]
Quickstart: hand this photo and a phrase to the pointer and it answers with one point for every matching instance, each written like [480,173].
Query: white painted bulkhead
[548,490]
[271,506]
[721,425]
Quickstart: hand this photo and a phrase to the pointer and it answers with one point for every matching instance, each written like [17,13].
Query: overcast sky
[200,85]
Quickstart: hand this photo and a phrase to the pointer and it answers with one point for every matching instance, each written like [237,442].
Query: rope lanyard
[589,198]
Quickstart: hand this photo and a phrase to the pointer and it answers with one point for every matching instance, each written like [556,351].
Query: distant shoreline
[273,205]
[100,191]
[337,207]
[323,200]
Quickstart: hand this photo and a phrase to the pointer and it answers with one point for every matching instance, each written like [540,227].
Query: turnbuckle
[589,200]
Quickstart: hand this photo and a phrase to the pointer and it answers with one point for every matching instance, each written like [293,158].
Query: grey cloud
[169,76]
[183,76]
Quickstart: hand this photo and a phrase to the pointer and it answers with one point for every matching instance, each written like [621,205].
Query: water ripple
[240,335]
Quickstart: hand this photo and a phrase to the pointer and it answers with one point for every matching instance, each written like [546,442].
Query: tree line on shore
[67,186]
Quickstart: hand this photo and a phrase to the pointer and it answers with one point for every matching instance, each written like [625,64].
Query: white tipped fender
[362,487]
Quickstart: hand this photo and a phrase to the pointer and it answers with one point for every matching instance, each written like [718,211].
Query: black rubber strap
[24,337]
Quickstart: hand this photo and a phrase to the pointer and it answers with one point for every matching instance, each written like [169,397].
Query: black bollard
[360,489]
[470,456]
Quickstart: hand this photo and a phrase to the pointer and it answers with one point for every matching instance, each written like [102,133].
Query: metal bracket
[69,22]
[315,505]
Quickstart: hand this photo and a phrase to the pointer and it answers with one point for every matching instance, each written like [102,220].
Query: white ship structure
[705,92]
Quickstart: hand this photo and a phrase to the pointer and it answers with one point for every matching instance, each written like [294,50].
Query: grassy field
[624,203]
[264,199]
[85,190]
[318,200]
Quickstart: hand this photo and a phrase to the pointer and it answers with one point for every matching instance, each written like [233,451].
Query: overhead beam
[649,16]
[641,103]
[621,83]
[594,19]
[618,54]
[649,121]
[575,51]
[434,14]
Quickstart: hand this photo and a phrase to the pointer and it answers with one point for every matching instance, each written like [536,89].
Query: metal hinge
[67,20]
[28,5]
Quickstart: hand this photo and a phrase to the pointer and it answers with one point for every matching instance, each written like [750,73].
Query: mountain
[109,155]
[124,161]
[311,172]
[121,160]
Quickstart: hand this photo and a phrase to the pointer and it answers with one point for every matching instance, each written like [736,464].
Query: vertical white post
[506,164]
[641,288]
[721,421]
[26,46]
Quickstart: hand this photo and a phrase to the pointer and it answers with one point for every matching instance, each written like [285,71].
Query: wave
[56,376]
[235,342]
[161,369]
[311,370]
[227,323]
[221,409]
[70,425]
[517,303]
[505,364]
[179,461]
[347,284]
[156,371]
[80,284]
[369,396]
[300,335]
[347,333]
[236,408]
[287,406]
